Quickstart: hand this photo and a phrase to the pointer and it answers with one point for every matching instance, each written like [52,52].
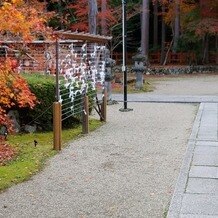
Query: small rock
[30,129]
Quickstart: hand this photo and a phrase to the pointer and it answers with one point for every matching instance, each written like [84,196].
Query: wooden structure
[76,37]
[39,55]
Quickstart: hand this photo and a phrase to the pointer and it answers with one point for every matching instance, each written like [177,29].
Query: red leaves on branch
[15,92]
[81,12]
[23,20]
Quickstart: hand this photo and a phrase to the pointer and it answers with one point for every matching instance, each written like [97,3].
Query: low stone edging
[173,70]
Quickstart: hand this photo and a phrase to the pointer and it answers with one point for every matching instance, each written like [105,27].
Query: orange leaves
[81,13]
[184,8]
[14,92]
[199,17]
[20,19]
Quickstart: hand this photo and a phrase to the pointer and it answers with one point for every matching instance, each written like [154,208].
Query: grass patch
[147,87]
[118,88]
[31,159]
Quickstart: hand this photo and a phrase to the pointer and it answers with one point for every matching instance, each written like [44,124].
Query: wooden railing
[118,57]
[174,58]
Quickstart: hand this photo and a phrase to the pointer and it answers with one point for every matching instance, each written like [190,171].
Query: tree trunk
[103,20]
[176,27]
[93,10]
[163,35]
[216,46]
[145,29]
[155,37]
[168,50]
[205,50]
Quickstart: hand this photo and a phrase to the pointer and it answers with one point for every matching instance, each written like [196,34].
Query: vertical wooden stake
[57,126]
[85,124]
[104,107]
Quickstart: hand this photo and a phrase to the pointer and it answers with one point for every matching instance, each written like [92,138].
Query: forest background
[153,25]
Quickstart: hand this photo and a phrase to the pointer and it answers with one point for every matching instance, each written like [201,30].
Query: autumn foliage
[198,17]
[22,20]
[15,93]
[19,20]
[81,13]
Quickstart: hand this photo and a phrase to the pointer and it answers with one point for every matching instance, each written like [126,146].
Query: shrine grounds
[127,168]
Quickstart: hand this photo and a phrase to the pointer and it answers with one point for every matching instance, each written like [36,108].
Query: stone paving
[196,193]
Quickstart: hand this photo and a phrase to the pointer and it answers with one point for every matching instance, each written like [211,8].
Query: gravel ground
[200,84]
[127,168]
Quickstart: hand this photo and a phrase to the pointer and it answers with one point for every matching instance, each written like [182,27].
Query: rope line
[78,108]
[71,115]
[40,115]
[75,108]
[72,102]
[76,103]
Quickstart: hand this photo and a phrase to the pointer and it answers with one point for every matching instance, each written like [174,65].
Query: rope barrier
[70,116]
[74,109]
[40,115]
[74,105]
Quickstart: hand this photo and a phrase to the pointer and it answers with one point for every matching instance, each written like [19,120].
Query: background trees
[177,25]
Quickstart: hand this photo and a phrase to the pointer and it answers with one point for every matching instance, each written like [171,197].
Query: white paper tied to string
[82,67]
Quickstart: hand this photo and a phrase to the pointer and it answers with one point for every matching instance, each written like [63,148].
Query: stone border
[182,70]
[176,201]
[173,70]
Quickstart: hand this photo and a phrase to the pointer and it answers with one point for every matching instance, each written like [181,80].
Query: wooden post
[57,126]
[85,124]
[104,107]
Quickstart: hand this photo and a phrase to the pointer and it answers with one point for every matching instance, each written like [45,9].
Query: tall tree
[82,10]
[163,34]
[145,28]
[103,18]
[155,24]
[199,22]
[93,10]
[176,28]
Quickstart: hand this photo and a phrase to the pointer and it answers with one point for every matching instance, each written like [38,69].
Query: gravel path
[127,168]
[200,84]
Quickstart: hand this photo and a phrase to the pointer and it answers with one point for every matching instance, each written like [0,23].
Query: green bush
[44,89]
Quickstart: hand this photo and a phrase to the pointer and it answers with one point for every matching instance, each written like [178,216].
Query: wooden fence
[180,58]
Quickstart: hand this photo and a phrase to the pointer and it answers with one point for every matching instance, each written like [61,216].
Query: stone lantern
[109,63]
[139,68]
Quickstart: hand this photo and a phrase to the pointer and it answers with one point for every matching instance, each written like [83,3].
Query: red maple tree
[81,13]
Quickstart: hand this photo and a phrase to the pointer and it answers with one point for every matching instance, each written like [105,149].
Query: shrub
[42,115]
[44,89]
